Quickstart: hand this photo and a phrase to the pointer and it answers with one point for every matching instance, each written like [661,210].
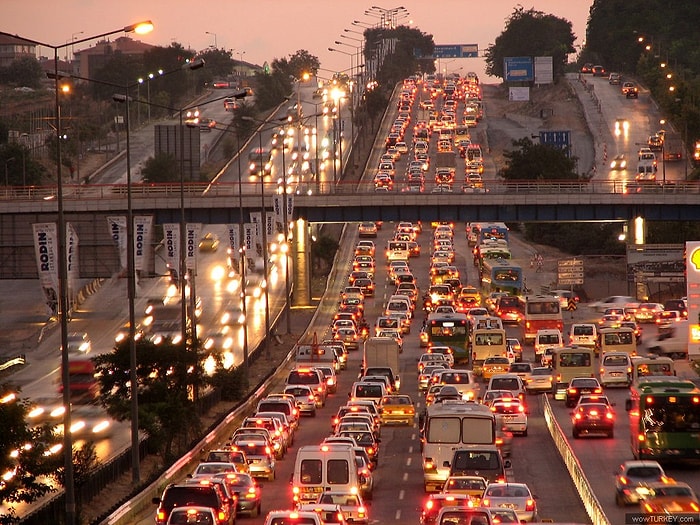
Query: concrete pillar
[301,262]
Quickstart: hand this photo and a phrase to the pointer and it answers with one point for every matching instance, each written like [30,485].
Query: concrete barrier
[578,477]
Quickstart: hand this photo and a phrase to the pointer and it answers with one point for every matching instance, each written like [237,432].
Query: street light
[240,63]
[214,35]
[7,184]
[69,482]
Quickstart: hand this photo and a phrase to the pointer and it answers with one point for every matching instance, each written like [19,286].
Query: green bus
[664,415]
[451,330]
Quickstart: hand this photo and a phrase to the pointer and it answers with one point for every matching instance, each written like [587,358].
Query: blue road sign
[558,139]
[518,69]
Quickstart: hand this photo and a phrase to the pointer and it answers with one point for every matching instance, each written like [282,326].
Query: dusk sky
[268,29]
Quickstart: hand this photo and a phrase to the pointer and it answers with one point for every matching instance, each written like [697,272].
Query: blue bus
[501,275]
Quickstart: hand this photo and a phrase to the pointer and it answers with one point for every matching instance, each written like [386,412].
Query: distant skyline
[269,29]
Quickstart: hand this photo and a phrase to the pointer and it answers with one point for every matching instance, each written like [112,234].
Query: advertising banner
[46,248]
[143,231]
[192,233]
[72,261]
[278,212]
[117,228]
[171,242]
[234,242]
[692,264]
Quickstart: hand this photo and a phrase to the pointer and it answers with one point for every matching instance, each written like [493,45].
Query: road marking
[405,476]
[397,516]
[401,494]
[410,450]
[408,462]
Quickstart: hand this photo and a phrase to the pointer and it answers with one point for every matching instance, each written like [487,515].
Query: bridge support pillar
[301,261]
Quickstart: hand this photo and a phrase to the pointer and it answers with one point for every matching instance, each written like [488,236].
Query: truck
[82,383]
[315,354]
[672,341]
[381,357]
[673,147]
[446,159]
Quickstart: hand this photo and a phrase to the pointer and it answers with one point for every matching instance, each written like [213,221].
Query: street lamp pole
[264,248]
[214,35]
[69,481]
[241,258]
[7,184]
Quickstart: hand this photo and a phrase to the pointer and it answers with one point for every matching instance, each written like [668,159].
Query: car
[655,142]
[587,68]
[192,514]
[261,457]
[510,415]
[79,343]
[618,163]
[232,314]
[247,490]
[206,124]
[610,321]
[579,386]
[436,502]
[513,346]
[540,380]
[516,496]
[310,517]
[472,486]
[666,498]
[304,398]
[328,513]
[598,71]
[621,301]
[367,229]
[209,468]
[494,365]
[397,408]
[522,369]
[203,494]
[592,418]
[632,480]
[353,508]
[229,455]
[630,90]
[614,78]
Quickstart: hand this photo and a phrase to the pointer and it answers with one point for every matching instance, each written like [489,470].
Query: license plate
[616,374]
[312,489]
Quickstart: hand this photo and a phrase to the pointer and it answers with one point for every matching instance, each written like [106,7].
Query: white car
[510,415]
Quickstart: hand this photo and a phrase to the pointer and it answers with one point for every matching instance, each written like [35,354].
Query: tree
[168,374]
[402,62]
[303,62]
[23,169]
[537,162]
[164,167]
[531,33]
[24,72]
[219,64]
[271,89]
[24,451]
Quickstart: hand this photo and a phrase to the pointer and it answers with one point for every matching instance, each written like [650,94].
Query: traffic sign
[518,69]
[570,275]
[570,262]
[451,51]
[569,282]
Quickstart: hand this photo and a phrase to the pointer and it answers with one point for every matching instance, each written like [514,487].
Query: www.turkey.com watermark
[689,518]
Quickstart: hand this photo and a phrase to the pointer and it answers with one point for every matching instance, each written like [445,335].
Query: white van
[615,369]
[398,304]
[367,390]
[583,334]
[321,468]
[547,338]
[672,341]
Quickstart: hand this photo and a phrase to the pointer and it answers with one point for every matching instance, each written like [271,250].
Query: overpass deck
[503,201]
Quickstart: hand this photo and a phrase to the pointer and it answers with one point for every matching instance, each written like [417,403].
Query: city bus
[451,330]
[501,275]
[493,249]
[541,312]
[492,230]
[664,415]
[449,426]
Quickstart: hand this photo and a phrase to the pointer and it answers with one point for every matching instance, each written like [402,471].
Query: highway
[534,460]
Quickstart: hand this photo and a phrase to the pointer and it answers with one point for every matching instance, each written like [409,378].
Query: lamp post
[141,28]
[241,257]
[240,63]
[214,35]
[7,183]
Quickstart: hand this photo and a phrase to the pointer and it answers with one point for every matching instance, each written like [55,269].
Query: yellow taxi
[398,408]
[471,295]
[495,365]
[472,486]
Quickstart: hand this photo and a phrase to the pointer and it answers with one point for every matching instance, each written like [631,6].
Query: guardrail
[578,477]
[84,192]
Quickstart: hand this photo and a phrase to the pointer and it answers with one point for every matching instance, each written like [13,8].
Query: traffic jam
[469,401]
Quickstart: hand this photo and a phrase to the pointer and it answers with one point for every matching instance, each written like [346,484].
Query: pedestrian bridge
[550,201]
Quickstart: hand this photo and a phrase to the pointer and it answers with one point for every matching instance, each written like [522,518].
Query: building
[13,48]
[94,58]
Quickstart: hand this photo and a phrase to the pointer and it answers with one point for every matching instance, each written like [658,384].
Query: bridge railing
[251,187]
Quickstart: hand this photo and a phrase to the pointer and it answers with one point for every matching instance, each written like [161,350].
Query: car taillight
[530,505]
[485,502]
[598,391]
[221,516]
[161,516]
[571,390]
[623,480]
[267,450]
[609,415]
[370,451]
